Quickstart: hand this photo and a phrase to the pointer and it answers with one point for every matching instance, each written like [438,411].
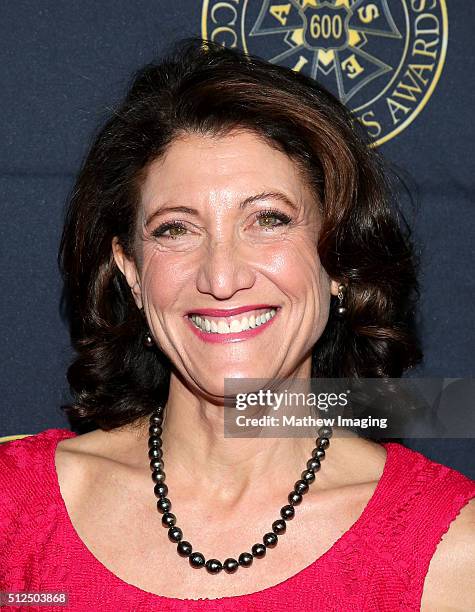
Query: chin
[243,380]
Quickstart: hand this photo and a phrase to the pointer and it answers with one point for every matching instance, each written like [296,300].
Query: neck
[199,460]
[198,455]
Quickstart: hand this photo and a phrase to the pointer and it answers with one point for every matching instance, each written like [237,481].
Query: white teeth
[235,325]
[223,328]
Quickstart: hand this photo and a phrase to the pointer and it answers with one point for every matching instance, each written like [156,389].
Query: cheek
[298,267]
[163,279]
[305,281]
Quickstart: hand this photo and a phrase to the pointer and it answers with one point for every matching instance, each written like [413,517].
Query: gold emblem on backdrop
[15,437]
[382,58]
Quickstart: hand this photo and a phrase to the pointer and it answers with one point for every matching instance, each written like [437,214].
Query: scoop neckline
[67,433]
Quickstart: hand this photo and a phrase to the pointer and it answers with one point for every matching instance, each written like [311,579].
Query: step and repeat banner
[405,67]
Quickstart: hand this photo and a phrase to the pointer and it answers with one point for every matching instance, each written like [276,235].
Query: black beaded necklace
[269,540]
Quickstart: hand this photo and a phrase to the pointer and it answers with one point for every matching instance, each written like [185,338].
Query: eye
[269,216]
[175,228]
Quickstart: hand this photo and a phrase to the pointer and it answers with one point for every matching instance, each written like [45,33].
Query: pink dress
[378,565]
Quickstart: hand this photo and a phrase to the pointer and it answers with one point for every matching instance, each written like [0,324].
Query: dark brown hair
[201,87]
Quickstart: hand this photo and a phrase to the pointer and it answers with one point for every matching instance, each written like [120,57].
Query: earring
[341,310]
[148,340]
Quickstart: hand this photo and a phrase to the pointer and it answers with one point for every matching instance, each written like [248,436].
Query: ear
[129,270]
[334,287]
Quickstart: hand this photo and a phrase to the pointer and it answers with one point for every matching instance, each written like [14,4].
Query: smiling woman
[230,221]
[229,250]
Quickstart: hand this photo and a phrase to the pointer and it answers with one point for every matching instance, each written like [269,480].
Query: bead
[245,559]
[164,505]
[230,565]
[175,534]
[184,548]
[301,487]
[154,453]
[325,432]
[154,442]
[196,559]
[313,464]
[323,443]
[156,464]
[156,419]
[341,310]
[318,453]
[294,498]
[154,430]
[287,512]
[258,550]
[213,566]
[158,476]
[308,476]
[160,489]
[159,466]
[279,526]
[270,539]
[168,519]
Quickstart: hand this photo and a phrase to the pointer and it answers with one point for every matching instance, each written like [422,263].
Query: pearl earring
[341,310]
[148,340]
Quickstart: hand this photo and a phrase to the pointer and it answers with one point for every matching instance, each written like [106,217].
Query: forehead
[201,167]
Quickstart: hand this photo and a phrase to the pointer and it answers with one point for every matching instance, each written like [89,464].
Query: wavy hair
[365,242]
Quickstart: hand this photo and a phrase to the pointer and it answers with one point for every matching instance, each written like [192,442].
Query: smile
[223,329]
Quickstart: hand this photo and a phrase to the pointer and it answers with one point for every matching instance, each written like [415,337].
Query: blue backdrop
[404,66]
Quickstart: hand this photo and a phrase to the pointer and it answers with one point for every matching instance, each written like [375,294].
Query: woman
[224,217]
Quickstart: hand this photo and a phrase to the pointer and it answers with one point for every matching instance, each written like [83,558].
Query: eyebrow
[264,195]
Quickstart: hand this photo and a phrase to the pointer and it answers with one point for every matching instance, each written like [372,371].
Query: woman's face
[228,223]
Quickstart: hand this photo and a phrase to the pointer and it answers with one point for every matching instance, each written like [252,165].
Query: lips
[241,326]
[217,312]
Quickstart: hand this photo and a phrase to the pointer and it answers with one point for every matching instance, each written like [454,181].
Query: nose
[225,269]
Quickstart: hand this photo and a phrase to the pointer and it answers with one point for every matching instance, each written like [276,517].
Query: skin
[225,258]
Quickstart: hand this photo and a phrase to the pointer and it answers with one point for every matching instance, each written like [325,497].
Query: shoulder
[426,477]
[450,581]
[78,463]
[16,454]
[26,484]
[446,526]
[25,463]
[91,461]
[118,445]
[432,511]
